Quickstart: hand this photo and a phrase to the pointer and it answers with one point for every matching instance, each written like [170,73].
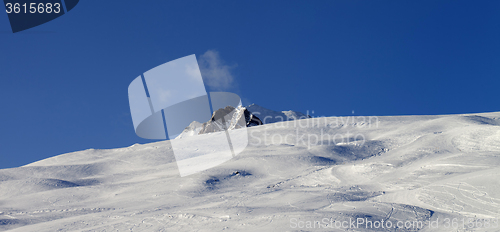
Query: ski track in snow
[408,168]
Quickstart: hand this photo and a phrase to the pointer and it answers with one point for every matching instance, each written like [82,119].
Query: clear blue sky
[64,84]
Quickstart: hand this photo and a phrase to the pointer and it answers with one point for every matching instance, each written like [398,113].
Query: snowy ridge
[234,118]
[193,129]
[249,116]
[270,116]
[406,168]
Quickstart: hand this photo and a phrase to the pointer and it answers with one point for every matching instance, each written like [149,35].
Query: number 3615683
[33,8]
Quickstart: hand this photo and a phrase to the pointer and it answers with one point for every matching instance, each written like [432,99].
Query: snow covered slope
[401,168]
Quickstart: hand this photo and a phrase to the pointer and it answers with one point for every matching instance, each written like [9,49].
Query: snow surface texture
[394,168]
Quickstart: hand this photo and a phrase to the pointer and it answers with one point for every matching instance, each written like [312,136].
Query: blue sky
[64,84]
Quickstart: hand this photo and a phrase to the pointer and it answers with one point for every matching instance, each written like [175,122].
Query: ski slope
[391,168]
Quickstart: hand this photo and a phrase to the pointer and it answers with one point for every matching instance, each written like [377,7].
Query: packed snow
[301,175]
